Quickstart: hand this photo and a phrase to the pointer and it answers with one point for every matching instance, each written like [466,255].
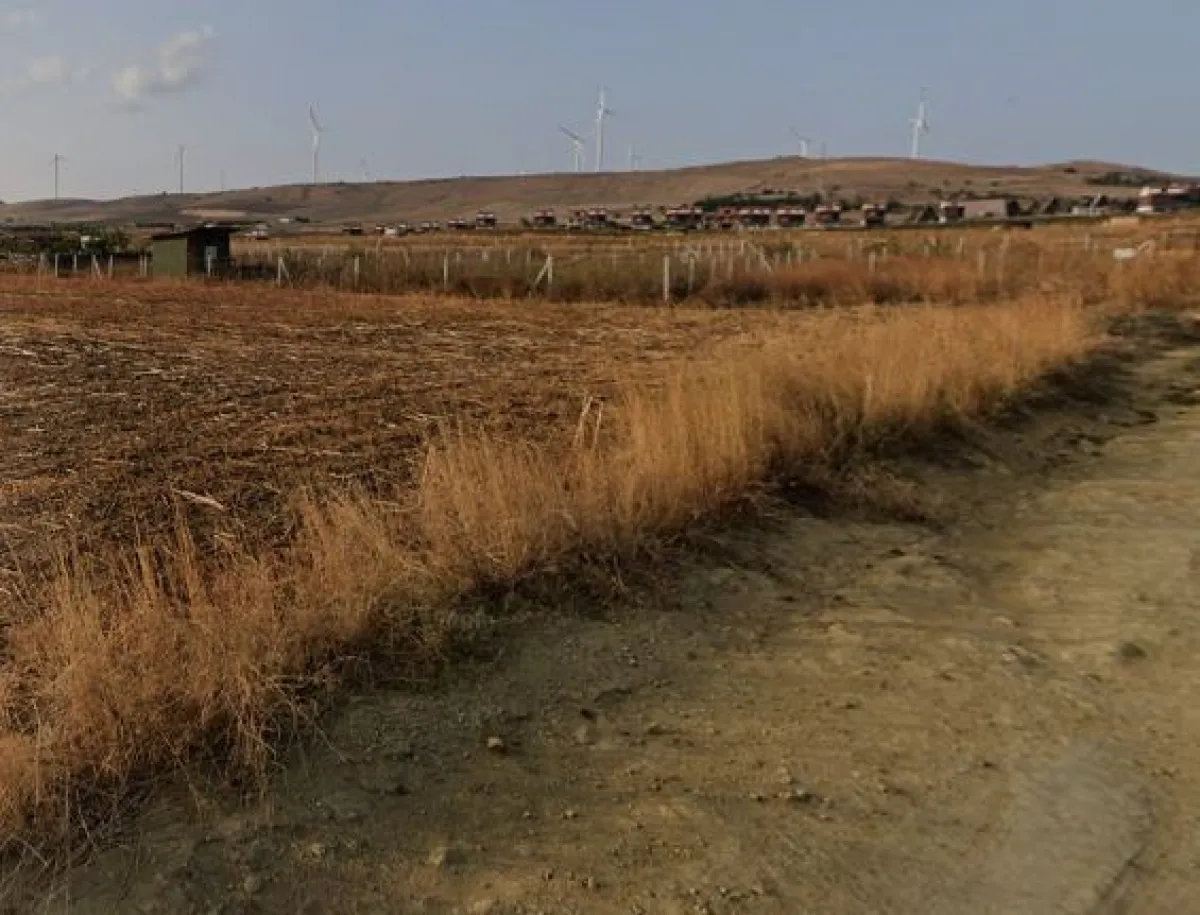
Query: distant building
[754,217]
[685,218]
[202,251]
[827,214]
[485,219]
[991,208]
[1169,199]
[545,219]
[951,211]
[596,218]
[791,217]
[874,215]
[642,219]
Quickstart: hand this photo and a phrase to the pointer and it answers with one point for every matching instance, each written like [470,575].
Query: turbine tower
[180,153]
[602,112]
[803,141]
[578,145]
[920,124]
[317,131]
[57,160]
[635,160]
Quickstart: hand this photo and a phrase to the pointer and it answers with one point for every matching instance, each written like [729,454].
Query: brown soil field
[122,405]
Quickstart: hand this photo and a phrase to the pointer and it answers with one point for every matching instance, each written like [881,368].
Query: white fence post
[667,279]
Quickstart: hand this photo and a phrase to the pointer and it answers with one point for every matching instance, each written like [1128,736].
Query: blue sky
[425,88]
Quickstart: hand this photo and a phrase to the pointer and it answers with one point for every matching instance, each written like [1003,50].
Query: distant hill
[513,197]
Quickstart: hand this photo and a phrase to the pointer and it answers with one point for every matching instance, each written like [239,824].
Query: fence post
[357,270]
[110,266]
[549,274]
[56,266]
[667,279]
[446,271]
[691,275]
[872,263]
[95,266]
[74,264]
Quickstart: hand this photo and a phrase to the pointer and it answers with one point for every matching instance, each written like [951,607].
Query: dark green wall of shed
[170,257]
[185,255]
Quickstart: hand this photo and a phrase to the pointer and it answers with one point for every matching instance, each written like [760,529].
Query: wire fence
[880,267]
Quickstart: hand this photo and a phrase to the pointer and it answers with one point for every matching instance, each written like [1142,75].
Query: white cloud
[15,19]
[42,72]
[179,61]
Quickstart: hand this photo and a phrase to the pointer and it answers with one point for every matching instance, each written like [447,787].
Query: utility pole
[57,162]
[182,153]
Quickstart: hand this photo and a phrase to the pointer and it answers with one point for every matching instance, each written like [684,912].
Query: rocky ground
[987,712]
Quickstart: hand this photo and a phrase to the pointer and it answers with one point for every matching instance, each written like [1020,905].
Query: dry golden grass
[786,269]
[143,662]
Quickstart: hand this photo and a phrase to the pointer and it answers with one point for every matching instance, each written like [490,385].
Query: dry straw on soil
[138,665]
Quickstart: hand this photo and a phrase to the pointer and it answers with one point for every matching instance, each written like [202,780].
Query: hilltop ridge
[512,197]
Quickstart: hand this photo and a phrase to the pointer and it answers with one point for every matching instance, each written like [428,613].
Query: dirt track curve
[845,716]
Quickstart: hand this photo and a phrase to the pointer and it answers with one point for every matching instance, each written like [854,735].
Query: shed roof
[194,230]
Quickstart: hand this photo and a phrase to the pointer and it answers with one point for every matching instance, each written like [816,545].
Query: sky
[434,88]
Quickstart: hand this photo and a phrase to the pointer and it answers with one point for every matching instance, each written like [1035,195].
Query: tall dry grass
[788,269]
[137,665]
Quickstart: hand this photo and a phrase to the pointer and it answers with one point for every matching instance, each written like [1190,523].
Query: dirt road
[996,716]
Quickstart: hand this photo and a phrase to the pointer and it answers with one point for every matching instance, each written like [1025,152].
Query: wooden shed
[202,251]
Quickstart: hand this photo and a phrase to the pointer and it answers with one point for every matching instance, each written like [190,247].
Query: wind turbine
[317,131]
[366,171]
[602,112]
[578,144]
[635,161]
[180,153]
[57,160]
[920,124]
[803,141]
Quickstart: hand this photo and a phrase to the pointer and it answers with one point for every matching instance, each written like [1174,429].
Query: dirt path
[850,717]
